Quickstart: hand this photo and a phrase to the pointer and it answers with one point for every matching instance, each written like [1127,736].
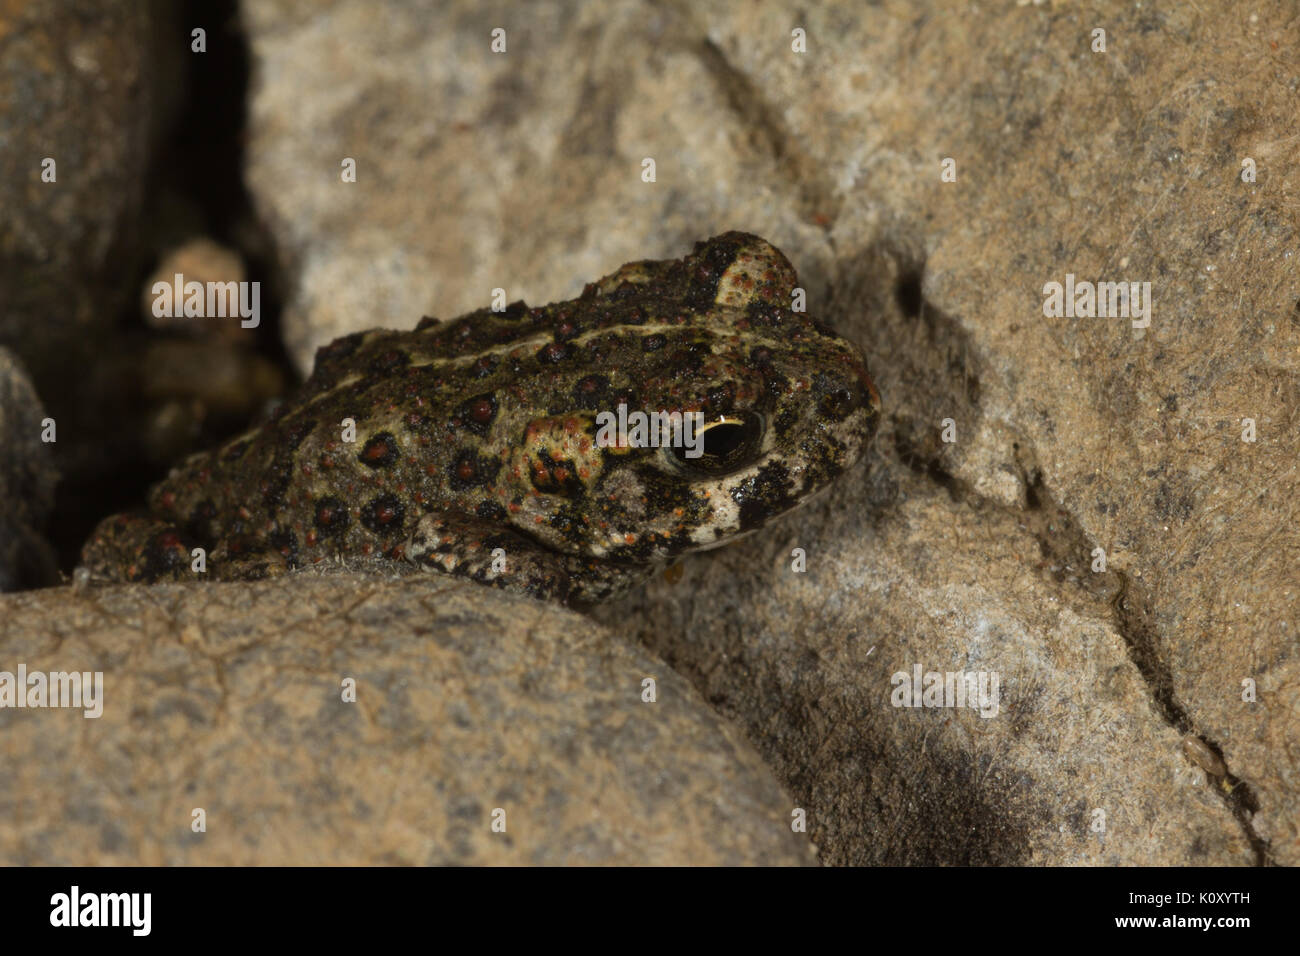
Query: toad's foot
[486,552]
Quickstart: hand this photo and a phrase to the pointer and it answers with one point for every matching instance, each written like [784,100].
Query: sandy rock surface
[230,700]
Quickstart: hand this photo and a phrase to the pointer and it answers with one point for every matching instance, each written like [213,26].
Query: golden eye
[726,444]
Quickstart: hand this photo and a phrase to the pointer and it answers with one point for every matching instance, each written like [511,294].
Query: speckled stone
[73,88]
[229,698]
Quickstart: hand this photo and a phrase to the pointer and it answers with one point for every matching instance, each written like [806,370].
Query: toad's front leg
[501,557]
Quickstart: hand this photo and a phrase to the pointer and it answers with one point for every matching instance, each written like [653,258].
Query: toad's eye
[723,445]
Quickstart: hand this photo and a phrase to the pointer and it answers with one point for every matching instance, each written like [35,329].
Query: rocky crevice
[1063,541]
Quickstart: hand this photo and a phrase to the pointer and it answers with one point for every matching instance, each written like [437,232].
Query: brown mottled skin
[479,433]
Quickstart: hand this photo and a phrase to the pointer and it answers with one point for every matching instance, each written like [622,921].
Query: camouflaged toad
[475,447]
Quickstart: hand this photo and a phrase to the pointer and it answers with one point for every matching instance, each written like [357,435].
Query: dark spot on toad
[490,511]
[476,413]
[569,524]
[763,495]
[383,514]
[331,516]
[379,452]
[708,263]
[590,391]
[555,476]
[163,554]
[469,470]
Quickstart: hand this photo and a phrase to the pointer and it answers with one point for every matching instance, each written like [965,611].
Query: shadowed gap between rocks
[196,166]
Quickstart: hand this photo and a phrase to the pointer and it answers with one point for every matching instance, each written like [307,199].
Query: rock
[478,170]
[75,91]
[27,480]
[206,373]
[1069,764]
[228,698]
[1125,439]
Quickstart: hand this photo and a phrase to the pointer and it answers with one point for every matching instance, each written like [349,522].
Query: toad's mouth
[733,533]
